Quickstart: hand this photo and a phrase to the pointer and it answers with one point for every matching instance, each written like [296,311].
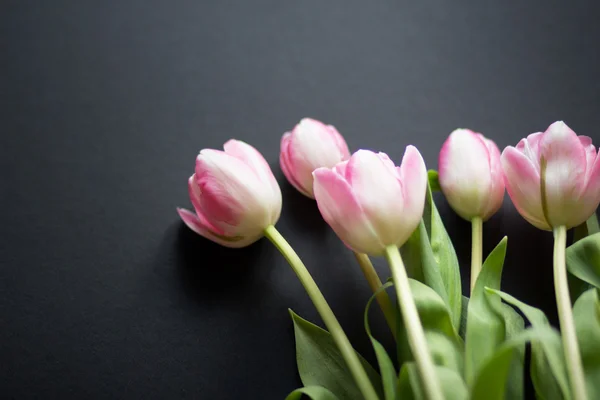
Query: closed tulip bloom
[470,174]
[553,177]
[369,202]
[310,145]
[234,194]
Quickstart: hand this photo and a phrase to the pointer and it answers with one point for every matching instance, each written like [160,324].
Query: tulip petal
[523,186]
[496,195]
[585,140]
[193,222]
[378,190]
[252,157]
[588,202]
[195,197]
[563,166]
[286,167]
[230,191]
[464,173]
[414,186]
[340,168]
[530,147]
[313,145]
[341,143]
[340,209]
[590,155]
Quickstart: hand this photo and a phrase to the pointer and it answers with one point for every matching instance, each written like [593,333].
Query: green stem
[565,316]
[476,249]
[375,283]
[331,322]
[414,329]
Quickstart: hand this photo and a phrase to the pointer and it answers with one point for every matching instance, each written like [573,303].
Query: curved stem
[476,249]
[414,329]
[565,316]
[331,322]
[375,283]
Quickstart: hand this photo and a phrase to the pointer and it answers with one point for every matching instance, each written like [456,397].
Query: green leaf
[587,325]
[443,341]
[386,367]
[492,379]
[420,261]
[313,392]
[583,259]
[589,227]
[409,387]
[444,255]
[434,180]
[321,364]
[485,323]
[514,325]
[548,369]
[462,330]
[430,258]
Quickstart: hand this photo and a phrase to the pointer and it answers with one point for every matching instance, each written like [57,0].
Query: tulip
[370,203]
[374,207]
[234,194]
[310,145]
[471,179]
[470,174]
[553,178]
[237,201]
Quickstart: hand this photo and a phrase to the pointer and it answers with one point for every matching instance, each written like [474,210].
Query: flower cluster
[376,208]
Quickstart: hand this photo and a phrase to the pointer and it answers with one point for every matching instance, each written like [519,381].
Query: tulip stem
[565,316]
[476,249]
[375,283]
[414,329]
[337,333]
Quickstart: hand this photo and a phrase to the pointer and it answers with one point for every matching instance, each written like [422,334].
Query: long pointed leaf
[453,386]
[548,370]
[386,367]
[320,363]
[492,379]
[313,392]
[587,325]
[485,324]
[583,259]
[443,252]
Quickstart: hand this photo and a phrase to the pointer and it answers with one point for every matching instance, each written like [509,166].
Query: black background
[104,105]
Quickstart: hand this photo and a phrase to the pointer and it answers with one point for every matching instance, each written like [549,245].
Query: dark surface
[104,105]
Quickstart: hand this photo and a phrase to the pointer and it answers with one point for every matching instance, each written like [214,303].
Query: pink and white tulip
[470,174]
[553,177]
[234,194]
[369,202]
[310,145]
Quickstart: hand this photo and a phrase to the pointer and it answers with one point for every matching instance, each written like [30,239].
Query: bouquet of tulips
[448,346]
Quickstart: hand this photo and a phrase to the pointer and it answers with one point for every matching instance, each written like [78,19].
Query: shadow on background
[210,272]
[307,221]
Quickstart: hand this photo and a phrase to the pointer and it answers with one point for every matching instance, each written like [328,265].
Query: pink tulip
[309,146]
[470,174]
[369,202]
[234,194]
[553,178]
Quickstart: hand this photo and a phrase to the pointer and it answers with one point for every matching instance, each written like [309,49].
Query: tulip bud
[234,194]
[553,178]
[470,174]
[310,145]
[369,202]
